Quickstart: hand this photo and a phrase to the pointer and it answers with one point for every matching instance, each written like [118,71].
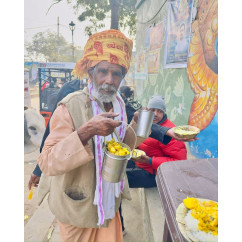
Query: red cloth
[174,150]
[44,86]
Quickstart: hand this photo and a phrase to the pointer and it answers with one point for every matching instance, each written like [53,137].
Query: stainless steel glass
[144,123]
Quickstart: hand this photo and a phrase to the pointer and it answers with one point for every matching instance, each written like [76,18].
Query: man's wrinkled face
[106,78]
[159,114]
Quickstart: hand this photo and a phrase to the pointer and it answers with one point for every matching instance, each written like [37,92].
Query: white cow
[34,128]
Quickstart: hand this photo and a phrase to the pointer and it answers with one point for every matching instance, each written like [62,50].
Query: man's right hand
[33,181]
[102,124]
[172,134]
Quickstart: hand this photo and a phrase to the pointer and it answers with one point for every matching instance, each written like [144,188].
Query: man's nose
[109,78]
[155,112]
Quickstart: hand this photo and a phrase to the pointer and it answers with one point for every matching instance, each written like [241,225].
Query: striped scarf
[106,192]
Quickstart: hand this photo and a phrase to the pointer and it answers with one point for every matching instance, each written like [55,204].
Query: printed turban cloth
[109,45]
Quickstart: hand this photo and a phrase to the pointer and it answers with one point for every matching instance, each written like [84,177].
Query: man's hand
[102,124]
[33,181]
[171,133]
[143,159]
[136,116]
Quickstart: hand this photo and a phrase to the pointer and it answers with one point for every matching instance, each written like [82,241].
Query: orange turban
[109,45]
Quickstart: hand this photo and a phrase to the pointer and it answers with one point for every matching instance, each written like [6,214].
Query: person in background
[61,83]
[53,82]
[130,104]
[158,148]
[142,173]
[66,89]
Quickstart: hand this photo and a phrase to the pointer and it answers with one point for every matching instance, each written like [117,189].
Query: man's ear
[90,74]
[90,77]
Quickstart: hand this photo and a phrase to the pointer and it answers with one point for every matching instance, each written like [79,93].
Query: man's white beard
[105,98]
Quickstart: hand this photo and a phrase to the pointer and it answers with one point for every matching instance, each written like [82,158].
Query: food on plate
[198,219]
[186,131]
[116,148]
[136,154]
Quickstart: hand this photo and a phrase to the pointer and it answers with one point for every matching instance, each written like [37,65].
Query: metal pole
[72,28]
[73,46]
[40,94]
[58,38]
[58,28]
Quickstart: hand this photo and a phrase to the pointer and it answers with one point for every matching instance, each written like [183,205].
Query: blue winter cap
[157,102]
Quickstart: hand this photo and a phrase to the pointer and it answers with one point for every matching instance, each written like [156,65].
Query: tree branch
[56,2]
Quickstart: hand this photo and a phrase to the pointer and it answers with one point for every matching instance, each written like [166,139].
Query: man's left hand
[143,159]
[33,181]
[136,116]
[171,133]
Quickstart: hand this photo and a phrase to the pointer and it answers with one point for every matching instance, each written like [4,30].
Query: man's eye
[117,74]
[103,71]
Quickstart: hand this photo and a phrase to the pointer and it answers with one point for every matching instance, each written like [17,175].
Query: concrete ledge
[147,223]
[154,213]
[38,226]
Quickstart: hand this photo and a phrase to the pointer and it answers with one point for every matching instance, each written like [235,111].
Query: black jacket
[67,88]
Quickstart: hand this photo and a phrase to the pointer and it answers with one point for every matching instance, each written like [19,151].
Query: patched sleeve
[158,132]
[63,150]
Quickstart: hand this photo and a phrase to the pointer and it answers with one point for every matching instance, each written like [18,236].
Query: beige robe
[112,233]
[52,163]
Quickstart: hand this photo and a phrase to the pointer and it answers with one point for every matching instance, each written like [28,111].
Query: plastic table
[180,179]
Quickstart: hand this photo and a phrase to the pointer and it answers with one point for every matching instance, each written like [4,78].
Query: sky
[37,20]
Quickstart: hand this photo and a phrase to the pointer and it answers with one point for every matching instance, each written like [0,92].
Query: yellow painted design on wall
[202,67]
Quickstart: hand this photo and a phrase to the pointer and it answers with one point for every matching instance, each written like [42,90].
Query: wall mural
[191,94]
[202,70]
[130,76]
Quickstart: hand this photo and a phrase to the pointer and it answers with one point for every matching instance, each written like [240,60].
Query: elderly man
[156,152]
[85,205]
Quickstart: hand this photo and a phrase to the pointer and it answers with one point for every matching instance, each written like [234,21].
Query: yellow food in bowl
[136,154]
[116,148]
[186,131]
